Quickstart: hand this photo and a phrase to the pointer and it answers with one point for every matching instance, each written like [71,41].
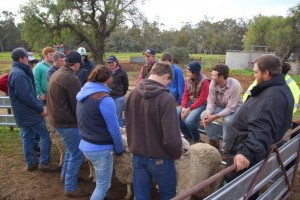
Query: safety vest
[290,82]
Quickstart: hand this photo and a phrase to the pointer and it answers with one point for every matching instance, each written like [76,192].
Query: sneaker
[48,168]
[32,167]
[62,179]
[77,193]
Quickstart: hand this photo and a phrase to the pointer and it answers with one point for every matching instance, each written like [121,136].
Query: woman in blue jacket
[99,128]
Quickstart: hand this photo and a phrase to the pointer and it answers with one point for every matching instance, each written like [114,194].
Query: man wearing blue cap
[224,100]
[150,61]
[28,112]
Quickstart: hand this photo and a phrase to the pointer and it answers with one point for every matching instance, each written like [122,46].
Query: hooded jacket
[107,109]
[25,106]
[262,120]
[152,123]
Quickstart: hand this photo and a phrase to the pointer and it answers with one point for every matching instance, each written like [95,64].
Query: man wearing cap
[58,62]
[224,100]
[150,61]
[32,61]
[40,73]
[63,88]
[28,112]
[86,66]
[119,86]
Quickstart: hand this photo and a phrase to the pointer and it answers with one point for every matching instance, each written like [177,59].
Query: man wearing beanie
[62,90]
[193,102]
[224,100]
[28,112]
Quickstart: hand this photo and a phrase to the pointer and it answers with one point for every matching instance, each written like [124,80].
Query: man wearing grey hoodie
[153,134]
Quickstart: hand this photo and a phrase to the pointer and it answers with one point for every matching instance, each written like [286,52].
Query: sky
[175,13]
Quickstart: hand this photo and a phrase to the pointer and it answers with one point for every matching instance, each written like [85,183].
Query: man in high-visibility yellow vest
[289,81]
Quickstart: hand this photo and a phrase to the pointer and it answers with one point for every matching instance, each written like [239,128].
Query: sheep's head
[185,146]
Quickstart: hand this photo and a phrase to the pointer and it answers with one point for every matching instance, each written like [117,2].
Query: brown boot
[32,167]
[48,168]
[77,193]
[62,179]
[214,143]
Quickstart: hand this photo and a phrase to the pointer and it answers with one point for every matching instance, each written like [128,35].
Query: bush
[180,55]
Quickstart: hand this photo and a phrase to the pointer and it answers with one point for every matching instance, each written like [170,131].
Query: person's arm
[125,82]
[211,99]
[140,76]
[180,84]
[72,89]
[108,110]
[37,79]
[263,128]
[186,96]
[171,134]
[202,96]
[21,91]
[233,101]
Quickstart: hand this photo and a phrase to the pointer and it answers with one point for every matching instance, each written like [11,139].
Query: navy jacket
[21,90]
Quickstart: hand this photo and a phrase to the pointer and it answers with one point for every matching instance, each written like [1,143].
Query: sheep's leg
[129,192]
[92,172]
[61,159]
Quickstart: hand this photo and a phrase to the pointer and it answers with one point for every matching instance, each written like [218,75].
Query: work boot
[32,167]
[77,193]
[62,179]
[214,143]
[48,168]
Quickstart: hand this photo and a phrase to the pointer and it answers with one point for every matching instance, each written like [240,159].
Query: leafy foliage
[180,55]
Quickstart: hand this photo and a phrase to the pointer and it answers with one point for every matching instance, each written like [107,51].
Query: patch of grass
[10,141]
[242,72]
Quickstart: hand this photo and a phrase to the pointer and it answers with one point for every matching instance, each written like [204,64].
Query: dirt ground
[18,184]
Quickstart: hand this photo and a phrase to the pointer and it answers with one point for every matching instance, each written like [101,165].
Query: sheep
[197,163]
[56,140]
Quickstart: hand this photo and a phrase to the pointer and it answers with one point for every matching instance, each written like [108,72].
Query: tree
[89,21]
[275,32]
[10,35]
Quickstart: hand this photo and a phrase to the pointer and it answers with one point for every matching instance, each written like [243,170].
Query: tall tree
[90,21]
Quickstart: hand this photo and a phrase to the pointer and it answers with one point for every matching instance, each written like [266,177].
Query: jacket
[107,109]
[144,73]
[152,123]
[120,83]
[40,78]
[61,98]
[25,106]
[262,120]
[292,85]
[84,71]
[176,86]
[197,95]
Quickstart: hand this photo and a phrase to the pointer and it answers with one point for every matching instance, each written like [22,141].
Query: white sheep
[197,163]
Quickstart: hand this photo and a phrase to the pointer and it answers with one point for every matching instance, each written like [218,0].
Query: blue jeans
[189,126]
[28,135]
[228,120]
[103,165]
[119,101]
[73,157]
[161,170]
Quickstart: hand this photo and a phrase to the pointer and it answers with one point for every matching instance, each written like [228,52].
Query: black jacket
[120,84]
[262,120]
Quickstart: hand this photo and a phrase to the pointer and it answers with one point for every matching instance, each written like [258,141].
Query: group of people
[249,127]
[81,102]
[87,113]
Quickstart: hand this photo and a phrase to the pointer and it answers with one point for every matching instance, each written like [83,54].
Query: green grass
[10,141]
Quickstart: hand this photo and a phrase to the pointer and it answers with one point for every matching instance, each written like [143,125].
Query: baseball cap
[18,53]
[150,51]
[31,58]
[112,58]
[73,57]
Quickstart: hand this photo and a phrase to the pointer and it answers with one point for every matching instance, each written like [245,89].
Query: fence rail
[278,171]
[6,119]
